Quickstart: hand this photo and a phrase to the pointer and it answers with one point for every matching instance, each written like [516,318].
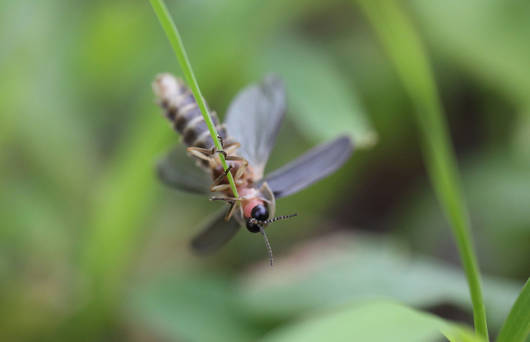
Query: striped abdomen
[182,110]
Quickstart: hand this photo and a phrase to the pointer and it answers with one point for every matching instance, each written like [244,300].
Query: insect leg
[220,178]
[224,198]
[215,185]
[229,147]
[232,147]
[221,141]
[241,212]
[220,188]
[222,150]
[237,158]
[241,171]
[201,153]
[230,211]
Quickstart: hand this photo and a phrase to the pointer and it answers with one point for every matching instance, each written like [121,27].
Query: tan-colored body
[182,110]
[249,195]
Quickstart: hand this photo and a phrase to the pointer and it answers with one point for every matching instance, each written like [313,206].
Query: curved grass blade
[516,328]
[176,42]
[412,65]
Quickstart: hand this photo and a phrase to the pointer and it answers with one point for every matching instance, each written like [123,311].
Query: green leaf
[517,325]
[372,321]
[329,272]
[321,101]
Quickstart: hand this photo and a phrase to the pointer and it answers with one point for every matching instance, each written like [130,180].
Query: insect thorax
[242,177]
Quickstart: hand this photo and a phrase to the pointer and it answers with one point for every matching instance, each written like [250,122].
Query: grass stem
[176,42]
[411,62]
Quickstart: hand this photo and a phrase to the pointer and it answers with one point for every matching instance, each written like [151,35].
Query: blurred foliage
[356,268]
[498,188]
[321,275]
[363,322]
[517,324]
[92,247]
[316,87]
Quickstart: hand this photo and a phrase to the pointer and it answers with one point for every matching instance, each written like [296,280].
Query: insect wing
[310,167]
[254,118]
[215,234]
[178,170]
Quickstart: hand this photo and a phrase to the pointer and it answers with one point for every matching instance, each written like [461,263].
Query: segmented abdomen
[182,110]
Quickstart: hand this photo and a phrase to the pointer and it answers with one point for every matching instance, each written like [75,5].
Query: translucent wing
[178,170]
[214,234]
[310,167]
[254,118]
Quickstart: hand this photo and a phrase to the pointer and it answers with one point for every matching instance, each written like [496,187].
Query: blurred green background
[93,248]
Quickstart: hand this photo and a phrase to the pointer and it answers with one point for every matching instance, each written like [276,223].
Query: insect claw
[214,150]
[221,141]
[228,169]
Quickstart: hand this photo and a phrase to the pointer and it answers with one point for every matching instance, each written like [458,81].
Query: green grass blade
[176,42]
[517,326]
[410,60]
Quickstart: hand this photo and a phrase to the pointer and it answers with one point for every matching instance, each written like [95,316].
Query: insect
[248,134]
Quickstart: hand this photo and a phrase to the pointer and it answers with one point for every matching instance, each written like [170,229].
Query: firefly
[247,137]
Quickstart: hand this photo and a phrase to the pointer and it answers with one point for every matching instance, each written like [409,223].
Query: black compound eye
[252,227]
[260,212]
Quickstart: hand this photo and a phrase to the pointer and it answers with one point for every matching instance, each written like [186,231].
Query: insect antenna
[278,218]
[272,220]
[267,243]
[262,231]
